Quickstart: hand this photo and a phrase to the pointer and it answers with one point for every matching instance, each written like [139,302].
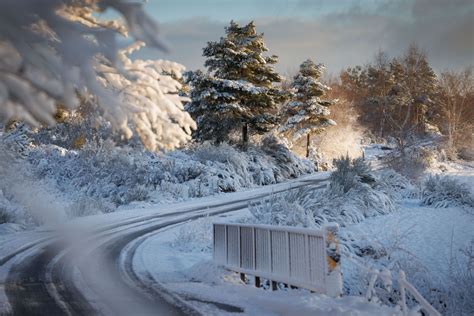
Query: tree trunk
[308,142]
[245,134]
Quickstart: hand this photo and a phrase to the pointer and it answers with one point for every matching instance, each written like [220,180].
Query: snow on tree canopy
[237,91]
[307,112]
[56,50]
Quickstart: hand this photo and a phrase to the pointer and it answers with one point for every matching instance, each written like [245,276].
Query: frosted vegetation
[103,127]
[57,54]
[445,191]
[356,193]
[102,176]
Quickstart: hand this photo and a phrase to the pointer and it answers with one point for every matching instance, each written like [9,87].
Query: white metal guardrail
[299,257]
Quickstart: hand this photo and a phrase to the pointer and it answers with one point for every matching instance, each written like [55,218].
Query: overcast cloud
[347,34]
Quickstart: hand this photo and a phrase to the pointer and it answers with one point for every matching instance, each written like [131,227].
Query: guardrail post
[257,281]
[333,260]
[214,241]
[274,286]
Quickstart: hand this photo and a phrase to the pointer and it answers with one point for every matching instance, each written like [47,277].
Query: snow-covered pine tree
[308,111]
[238,91]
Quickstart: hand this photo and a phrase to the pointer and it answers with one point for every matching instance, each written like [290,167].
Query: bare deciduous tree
[456,109]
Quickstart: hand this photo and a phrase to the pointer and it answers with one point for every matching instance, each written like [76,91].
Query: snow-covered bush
[289,164]
[116,176]
[445,191]
[283,209]
[460,283]
[414,160]
[194,236]
[350,173]
[12,147]
[6,210]
[353,194]
[395,185]
[86,206]
[13,212]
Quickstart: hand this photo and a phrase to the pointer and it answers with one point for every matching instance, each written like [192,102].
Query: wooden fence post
[333,260]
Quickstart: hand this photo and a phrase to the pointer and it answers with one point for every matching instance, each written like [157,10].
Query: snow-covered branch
[52,50]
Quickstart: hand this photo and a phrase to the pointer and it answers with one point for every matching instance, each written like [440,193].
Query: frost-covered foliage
[150,90]
[445,191]
[194,236]
[396,185]
[57,52]
[283,210]
[354,193]
[8,211]
[85,206]
[349,173]
[460,283]
[308,111]
[114,176]
[28,201]
[415,159]
[238,89]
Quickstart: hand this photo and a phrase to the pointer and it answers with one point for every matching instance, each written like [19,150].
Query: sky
[337,33]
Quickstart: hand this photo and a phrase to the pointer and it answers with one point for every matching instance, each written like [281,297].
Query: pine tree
[238,91]
[307,112]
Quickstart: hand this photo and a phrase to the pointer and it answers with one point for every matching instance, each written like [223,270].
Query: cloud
[444,29]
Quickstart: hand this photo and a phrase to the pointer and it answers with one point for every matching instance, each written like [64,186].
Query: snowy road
[82,268]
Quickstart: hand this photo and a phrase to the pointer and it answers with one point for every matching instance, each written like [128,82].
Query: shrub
[284,210]
[466,154]
[194,236]
[5,216]
[460,283]
[395,185]
[413,161]
[121,175]
[353,194]
[444,191]
[350,173]
[86,206]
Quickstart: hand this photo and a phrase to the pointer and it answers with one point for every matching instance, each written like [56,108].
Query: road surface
[84,271]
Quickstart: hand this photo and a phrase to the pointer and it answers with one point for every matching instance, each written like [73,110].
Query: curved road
[89,273]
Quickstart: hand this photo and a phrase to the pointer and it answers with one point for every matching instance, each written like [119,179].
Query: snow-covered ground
[424,241]
[185,267]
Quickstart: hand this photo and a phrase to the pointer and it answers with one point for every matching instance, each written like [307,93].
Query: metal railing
[298,257]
